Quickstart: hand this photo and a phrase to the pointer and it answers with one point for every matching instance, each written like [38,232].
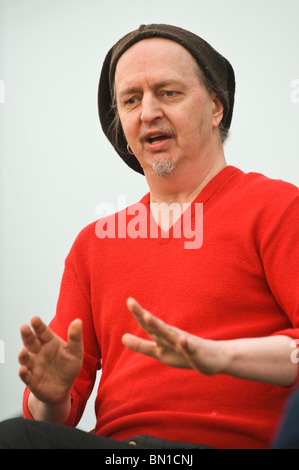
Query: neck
[184,184]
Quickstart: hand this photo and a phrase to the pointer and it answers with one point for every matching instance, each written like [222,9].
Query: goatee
[164,167]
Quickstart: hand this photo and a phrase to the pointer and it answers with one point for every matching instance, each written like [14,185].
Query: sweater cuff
[26,412]
[72,419]
[291,332]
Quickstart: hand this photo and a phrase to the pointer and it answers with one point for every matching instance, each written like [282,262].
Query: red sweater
[242,282]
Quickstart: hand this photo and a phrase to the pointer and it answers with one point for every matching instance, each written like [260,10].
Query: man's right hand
[50,365]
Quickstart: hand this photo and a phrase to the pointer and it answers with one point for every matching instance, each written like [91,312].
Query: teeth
[156,138]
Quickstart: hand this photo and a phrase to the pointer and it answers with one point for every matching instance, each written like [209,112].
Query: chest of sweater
[217,291]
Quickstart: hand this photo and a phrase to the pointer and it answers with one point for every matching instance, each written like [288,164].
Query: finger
[42,331]
[29,339]
[24,358]
[187,346]
[162,333]
[140,314]
[147,320]
[75,342]
[24,375]
[140,345]
[159,331]
[136,309]
[189,351]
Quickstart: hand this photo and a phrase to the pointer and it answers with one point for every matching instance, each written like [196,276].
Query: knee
[12,433]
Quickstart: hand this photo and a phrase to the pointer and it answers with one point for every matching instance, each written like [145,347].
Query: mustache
[161,130]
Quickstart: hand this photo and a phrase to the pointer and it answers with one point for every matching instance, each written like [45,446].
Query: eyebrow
[136,89]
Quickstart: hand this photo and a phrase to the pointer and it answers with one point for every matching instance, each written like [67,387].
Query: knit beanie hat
[217,70]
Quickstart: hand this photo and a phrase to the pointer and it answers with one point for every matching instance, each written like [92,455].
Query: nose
[150,109]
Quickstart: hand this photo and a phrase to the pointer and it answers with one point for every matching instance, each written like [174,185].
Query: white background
[56,164]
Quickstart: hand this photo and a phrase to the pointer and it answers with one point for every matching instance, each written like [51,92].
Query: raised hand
[49,365]
[263,359]
[173,346]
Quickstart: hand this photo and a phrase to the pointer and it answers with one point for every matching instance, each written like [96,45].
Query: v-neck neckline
[162,236]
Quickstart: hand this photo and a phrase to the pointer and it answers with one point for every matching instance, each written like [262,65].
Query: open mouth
[154,139]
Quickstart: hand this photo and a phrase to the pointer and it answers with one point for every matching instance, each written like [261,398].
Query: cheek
[190,129]
[201,122]
[129,126]
[189,120]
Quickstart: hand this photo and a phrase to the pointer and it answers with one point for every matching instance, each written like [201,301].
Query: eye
[130,101]
[169,93]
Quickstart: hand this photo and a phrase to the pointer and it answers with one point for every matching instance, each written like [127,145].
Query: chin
[164,167]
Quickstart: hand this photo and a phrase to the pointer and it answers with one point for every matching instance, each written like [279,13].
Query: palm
[50,365]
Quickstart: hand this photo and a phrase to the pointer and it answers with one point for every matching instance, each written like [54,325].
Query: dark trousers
[288,435]
[25,434]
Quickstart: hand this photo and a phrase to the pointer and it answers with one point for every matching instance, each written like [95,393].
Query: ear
[217,110]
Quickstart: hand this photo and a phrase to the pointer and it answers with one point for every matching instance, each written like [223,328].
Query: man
[220,317]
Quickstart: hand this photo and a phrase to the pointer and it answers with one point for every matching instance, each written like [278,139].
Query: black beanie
[215,67]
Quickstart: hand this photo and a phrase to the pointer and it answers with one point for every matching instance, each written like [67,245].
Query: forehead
[154,56]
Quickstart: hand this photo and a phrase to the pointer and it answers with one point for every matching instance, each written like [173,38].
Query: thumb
[75,340]
[189,351]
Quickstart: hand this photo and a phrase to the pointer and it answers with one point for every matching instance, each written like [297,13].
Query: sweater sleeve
[280,256]
[73,302]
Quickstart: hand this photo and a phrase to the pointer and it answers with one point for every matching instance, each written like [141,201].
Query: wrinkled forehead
[158,55]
